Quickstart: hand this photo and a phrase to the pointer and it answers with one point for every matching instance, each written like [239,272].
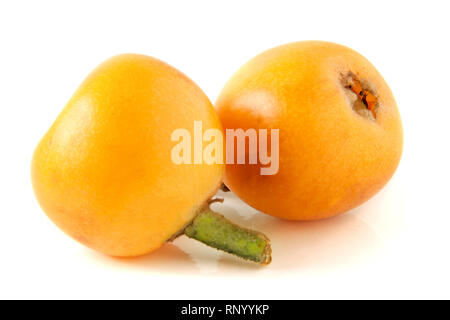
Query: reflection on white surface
[317,245]
[313,246]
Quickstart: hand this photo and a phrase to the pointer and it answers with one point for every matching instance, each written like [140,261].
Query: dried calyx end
[364,101]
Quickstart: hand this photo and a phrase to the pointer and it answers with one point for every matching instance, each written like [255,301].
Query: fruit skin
[331,158]
[103,172]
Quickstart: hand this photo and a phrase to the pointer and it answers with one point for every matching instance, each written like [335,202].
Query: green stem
[216,231]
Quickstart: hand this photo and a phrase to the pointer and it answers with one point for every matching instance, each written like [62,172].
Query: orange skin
[332,158]
[103,172]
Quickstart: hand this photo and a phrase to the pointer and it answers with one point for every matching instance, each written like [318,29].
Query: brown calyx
[365,100]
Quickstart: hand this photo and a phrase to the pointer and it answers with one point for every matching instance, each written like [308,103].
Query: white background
[394,246]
